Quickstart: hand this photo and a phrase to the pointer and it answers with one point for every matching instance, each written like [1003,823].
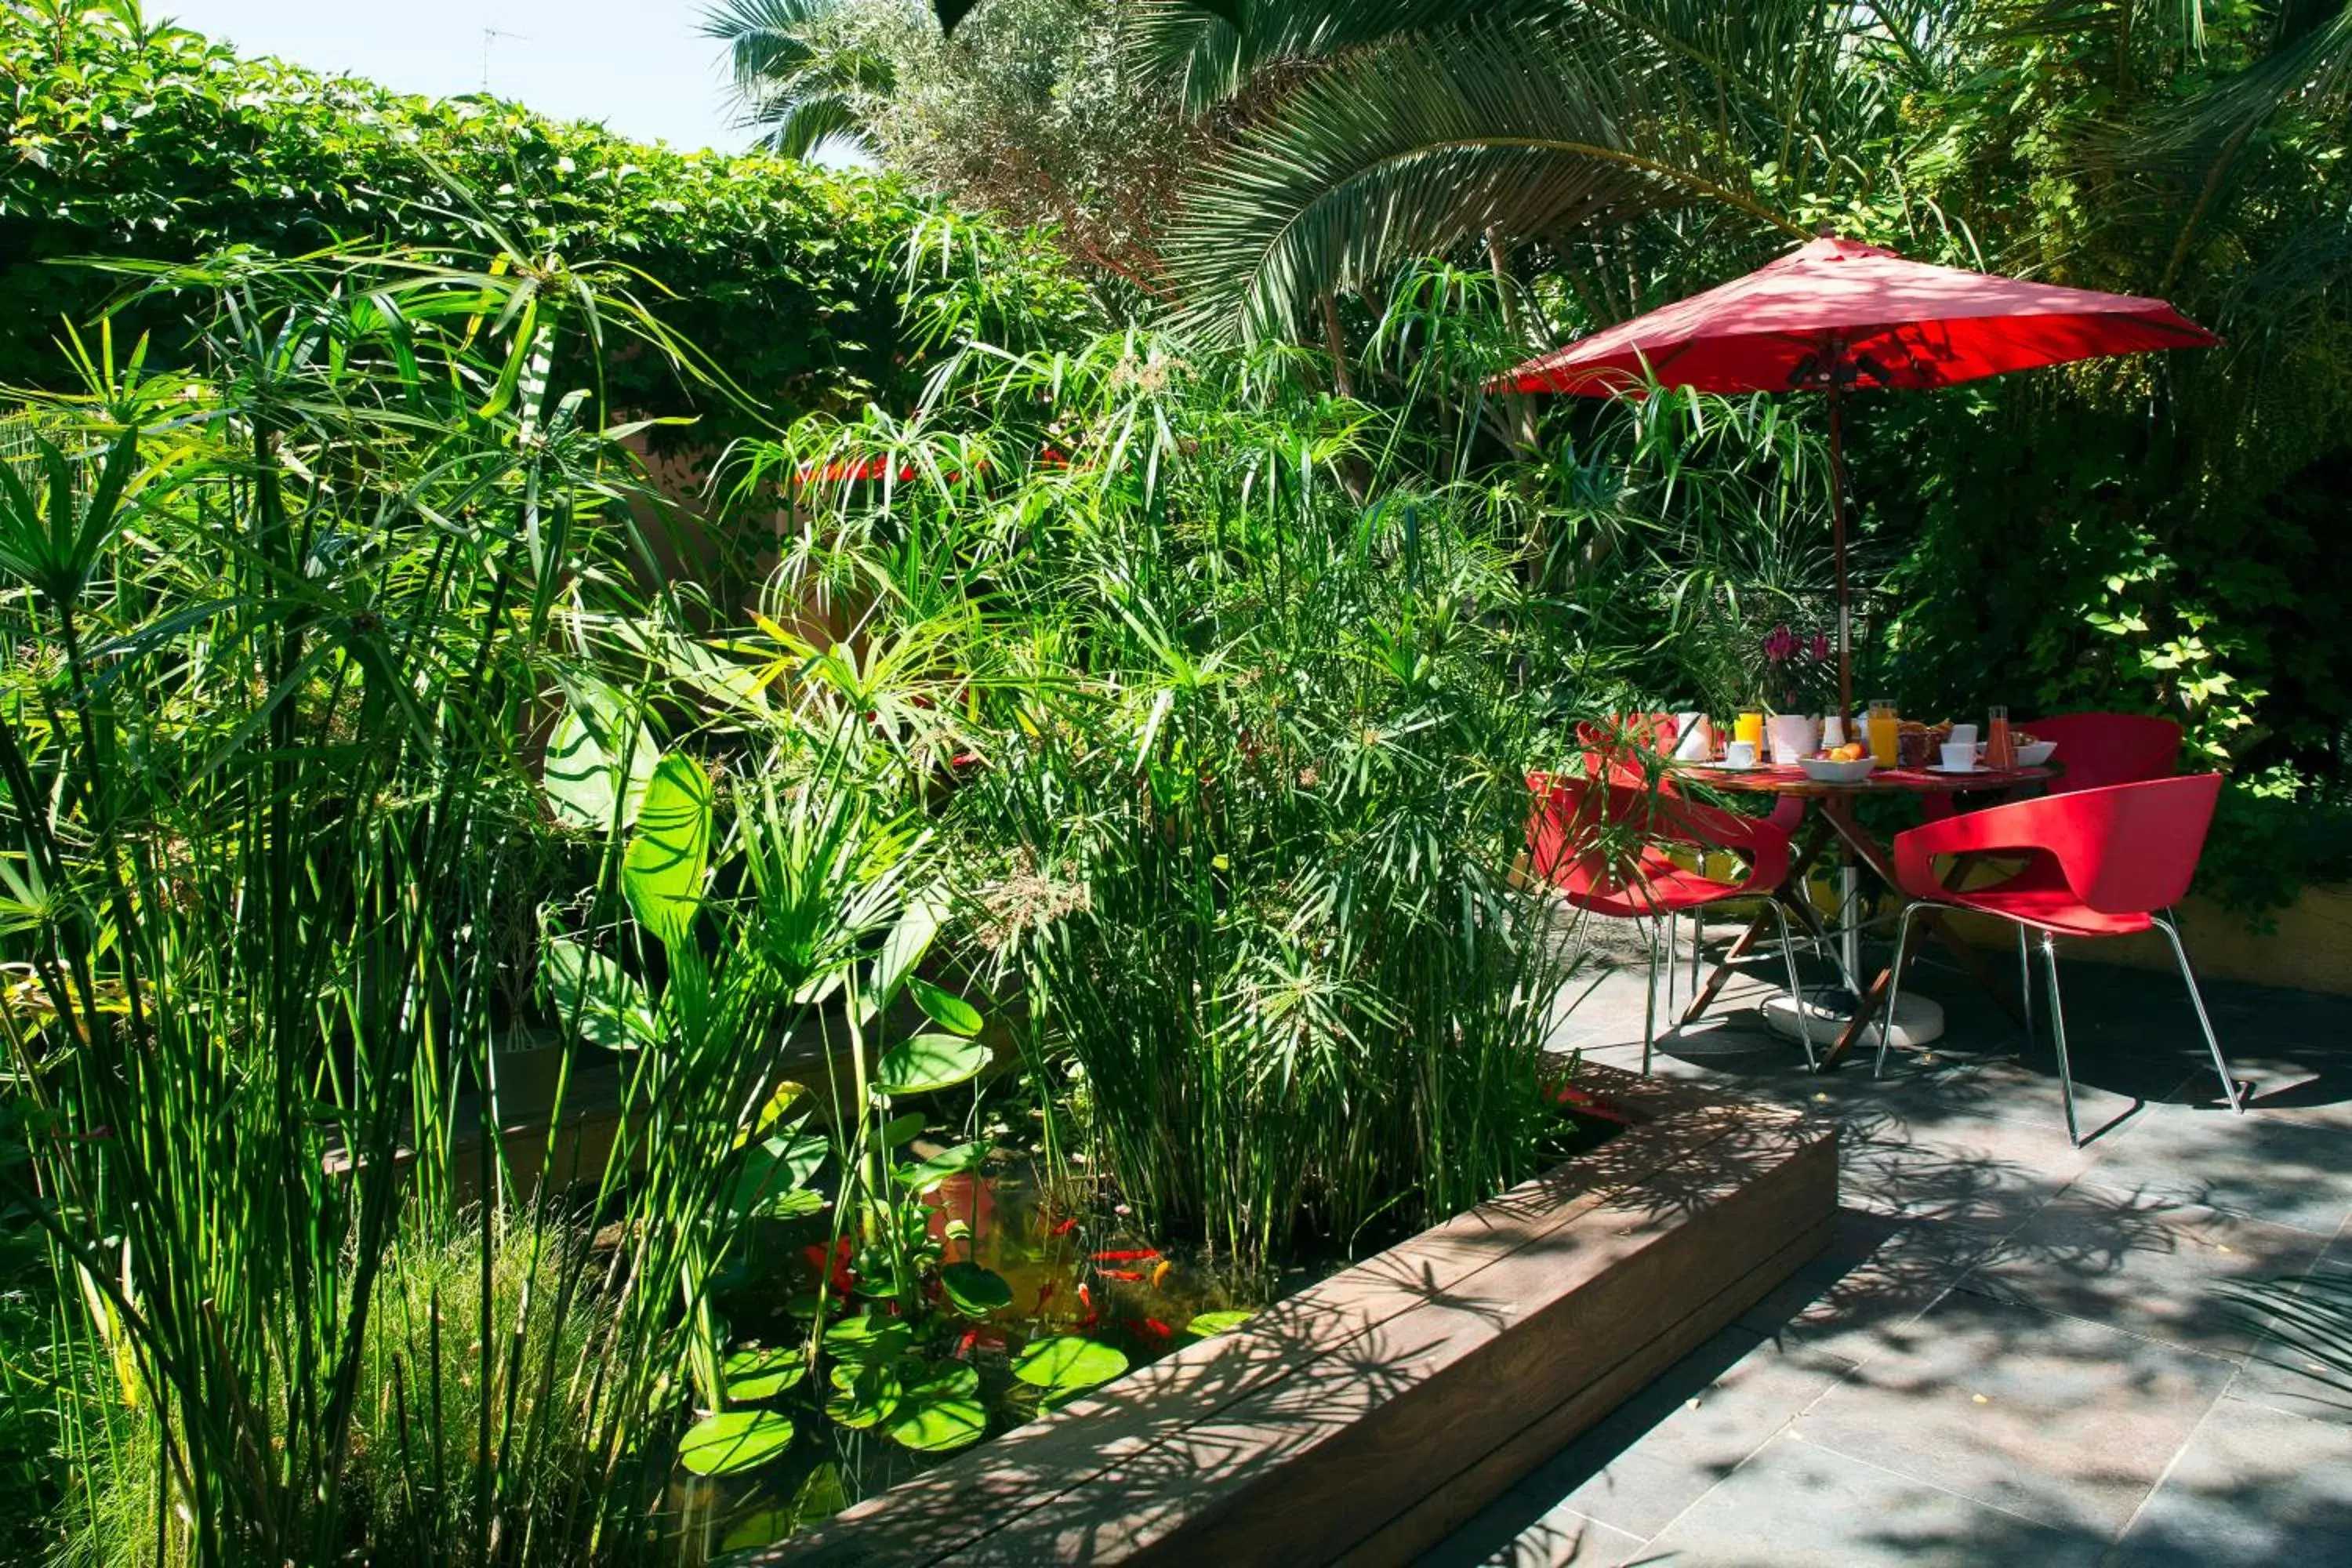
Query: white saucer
[1940,768]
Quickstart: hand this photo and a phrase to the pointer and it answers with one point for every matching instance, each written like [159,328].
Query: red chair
[2102,862]
[1602,847]
[2103,749]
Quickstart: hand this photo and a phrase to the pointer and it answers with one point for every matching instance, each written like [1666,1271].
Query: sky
[642,67]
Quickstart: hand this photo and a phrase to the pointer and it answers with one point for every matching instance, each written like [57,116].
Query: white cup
[1964,736]
[1832,732]
[1961,757]
[1740,755]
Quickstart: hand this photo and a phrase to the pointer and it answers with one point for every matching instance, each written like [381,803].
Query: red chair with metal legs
[2102,862]
[1601,847]
[2102,749]
[1631,748]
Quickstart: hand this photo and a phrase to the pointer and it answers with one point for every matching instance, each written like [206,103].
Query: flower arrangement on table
[1800,672]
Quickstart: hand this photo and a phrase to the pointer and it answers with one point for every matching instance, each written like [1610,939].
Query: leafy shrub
[806,289]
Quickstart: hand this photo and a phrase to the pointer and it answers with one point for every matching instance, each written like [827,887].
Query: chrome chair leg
[1796,986]
[1650,996]
[2196,997]
[2025,981]
[1699,939]
[1895,985]
[2058,1034]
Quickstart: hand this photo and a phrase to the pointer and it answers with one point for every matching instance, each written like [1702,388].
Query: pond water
[1076,1264]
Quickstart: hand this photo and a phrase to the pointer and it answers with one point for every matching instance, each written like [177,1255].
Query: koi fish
[1129,1275]
[1135,1254]
[1064,1227]
[1147,1329]
[1159,1275]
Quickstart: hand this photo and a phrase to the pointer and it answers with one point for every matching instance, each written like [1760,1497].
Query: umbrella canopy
[1836,316]
[1837,313]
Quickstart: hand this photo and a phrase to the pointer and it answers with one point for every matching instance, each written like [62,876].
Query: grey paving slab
[2288,1173]
[1878,1274]
[1971,1171]
[2147,1264]
[2012,1351]
[2047,1417]
[1798,1505]
[1518,1532]
[1662,1450]
[2252,1487]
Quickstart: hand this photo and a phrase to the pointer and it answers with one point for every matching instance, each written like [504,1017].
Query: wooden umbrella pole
[1837,535]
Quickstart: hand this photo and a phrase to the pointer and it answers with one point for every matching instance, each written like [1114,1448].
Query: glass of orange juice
[1750,727]
[1885,731]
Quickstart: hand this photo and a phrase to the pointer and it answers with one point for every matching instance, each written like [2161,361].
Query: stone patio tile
[1798,1505]
[2051,1417]
[2308,1085]
[1662,1450]
[1518,1532]
[2253,1487]
[2111,1090]
[1971,1171]
[2146,1265]
[2280,1376]
[1878,1274]
[2287,1173]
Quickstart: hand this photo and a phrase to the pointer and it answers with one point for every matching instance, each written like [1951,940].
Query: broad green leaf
[753,1375]
[942,1412]
[864,1395]
[950,1011]
[797,1204]
[898,1128]
[591,990]
[775,1168]
[929,1062]
[1067,1363]
[661,871]
[865,1338]
[1207,1323]
[930,1173]
[734,1441]
[975,1291]
[901,951]
[594,739]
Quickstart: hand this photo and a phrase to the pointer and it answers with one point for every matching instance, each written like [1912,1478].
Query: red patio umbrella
[1837,316]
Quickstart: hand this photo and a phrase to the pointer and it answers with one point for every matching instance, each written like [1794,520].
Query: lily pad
[976,1291]
[735,1441]
[865,1397]
[1067,1363]
[1207,1323]
[764,1374]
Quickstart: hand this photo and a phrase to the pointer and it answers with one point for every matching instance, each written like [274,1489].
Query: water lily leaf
[599,758]
[1068,1363]
[863,1339]
[753,1375]
[798,1203]
[661,870]
[976,1291]
[590,990]
[864,1395]
[928,1062]
[775,1169]
[1207,1323]
[950,1011]
[942,1412]
[734,1441]
[930,1173]
[901,1128]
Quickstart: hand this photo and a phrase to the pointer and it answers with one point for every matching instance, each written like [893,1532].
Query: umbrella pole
[1849,881]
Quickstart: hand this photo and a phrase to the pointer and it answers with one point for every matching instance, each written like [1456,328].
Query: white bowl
[1820,770]
[2034,755]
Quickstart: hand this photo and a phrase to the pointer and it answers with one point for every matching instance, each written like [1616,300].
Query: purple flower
[1782,644]
[1821,644]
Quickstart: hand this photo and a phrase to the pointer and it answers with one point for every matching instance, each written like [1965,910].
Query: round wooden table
[1830,819]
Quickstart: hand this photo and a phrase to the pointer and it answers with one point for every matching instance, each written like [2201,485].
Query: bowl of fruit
[1839,764]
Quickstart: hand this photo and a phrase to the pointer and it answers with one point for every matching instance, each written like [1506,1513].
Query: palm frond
[1540,131]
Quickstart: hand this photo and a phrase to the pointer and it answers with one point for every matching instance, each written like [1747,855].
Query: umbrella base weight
[1825,1013]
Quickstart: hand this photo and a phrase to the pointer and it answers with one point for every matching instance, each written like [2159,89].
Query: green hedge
[126,139]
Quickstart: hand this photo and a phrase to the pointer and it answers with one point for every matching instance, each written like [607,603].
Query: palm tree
[803,77]
[1369,131]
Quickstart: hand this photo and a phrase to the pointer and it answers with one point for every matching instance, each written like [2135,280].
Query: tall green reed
[1242,783]
[286,629]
